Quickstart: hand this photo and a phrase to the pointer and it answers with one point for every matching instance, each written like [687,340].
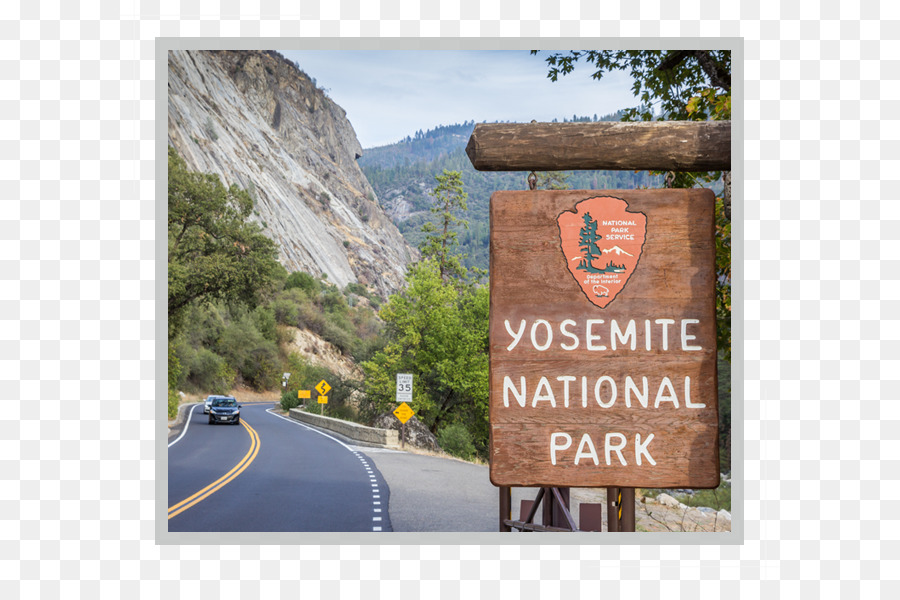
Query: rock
[257,121]
[723,514]
[667,500]
[417,434]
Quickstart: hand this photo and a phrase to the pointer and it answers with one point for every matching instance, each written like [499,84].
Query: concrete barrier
[358,433]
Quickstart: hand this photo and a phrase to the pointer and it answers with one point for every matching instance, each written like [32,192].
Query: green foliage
[723,280]
[289,400]
[174,376]
[723,372]
[208,372]
[440,241]
[254,356]
[173,401]
[456,440]
[437,332]
[553,180]
[214,252]
[304,281]
[408,169]
[667,81]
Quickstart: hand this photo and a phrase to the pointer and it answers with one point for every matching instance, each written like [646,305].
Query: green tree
[669,81]
[553,180]
[437,332]
[214,251]
[441,241]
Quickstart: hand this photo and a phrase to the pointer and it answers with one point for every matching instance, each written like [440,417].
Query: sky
[390,94]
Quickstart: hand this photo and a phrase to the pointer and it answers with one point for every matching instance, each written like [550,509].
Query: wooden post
[505,507]
[650,146]
[621,517]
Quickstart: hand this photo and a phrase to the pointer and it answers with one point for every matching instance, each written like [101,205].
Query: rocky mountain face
[256,120]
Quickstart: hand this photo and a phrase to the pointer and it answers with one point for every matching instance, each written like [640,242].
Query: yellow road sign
[403,412]
[323,399]
[303,394]
[323,387]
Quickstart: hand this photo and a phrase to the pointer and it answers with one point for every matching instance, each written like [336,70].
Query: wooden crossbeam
[650,146]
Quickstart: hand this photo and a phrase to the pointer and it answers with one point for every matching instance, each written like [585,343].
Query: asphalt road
[430,493]
[271,474]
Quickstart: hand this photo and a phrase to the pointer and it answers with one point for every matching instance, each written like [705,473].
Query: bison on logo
[602,244]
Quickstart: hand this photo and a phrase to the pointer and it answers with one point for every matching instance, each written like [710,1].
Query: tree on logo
[587,243]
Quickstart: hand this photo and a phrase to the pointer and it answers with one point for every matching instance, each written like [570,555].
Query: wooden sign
[603,339]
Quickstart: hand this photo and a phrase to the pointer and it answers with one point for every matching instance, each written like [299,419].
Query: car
[224,409]
[209,400]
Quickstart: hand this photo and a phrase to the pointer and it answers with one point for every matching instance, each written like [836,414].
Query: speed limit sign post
[404,395]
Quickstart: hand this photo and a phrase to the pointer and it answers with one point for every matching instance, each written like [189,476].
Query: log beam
[650,146]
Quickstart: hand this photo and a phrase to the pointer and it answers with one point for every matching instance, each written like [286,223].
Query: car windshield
[224,402]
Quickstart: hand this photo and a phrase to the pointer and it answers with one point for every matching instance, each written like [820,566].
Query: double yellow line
[215,486]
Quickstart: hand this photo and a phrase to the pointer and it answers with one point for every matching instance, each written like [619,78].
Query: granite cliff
[256,120]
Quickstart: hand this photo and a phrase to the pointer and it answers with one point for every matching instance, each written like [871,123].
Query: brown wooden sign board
[603,339]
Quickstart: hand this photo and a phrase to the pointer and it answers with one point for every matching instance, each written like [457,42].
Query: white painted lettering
[641,449]
[609,448]
[665,331]
[569,334]
[519,396]
[590,453]
[565,379]
[615,332]
[612,396]
[539,397]
[554,446]
[630,388]
[666,386]
[516,335]
[648,334]
[549,335]
[687,395]
[590,336]
[685,338]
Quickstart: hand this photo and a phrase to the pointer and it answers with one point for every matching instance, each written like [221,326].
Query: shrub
[456,440]
[304,281]
[208,372]
[173,404]
[289,400]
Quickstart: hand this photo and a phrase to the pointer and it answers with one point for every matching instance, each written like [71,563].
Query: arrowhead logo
[602,244]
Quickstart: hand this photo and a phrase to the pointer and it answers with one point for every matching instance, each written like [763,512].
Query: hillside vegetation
[403,174]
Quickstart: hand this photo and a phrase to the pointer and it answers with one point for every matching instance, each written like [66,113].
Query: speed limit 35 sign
[404,387]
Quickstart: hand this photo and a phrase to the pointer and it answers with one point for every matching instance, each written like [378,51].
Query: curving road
[270,474]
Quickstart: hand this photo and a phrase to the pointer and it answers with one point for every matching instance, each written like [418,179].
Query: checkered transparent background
[77,341]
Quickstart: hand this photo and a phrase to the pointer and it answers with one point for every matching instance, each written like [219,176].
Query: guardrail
[358,433]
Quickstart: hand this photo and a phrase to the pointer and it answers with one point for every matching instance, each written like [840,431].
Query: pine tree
[587,243]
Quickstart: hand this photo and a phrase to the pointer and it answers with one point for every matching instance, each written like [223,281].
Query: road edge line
[187,421]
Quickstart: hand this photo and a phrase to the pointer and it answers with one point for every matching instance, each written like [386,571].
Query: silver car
[209,401]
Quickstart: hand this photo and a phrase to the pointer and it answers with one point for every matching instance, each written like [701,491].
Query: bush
[303,281]
[289,400]
[173,404]
[208,372]
[456,440]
